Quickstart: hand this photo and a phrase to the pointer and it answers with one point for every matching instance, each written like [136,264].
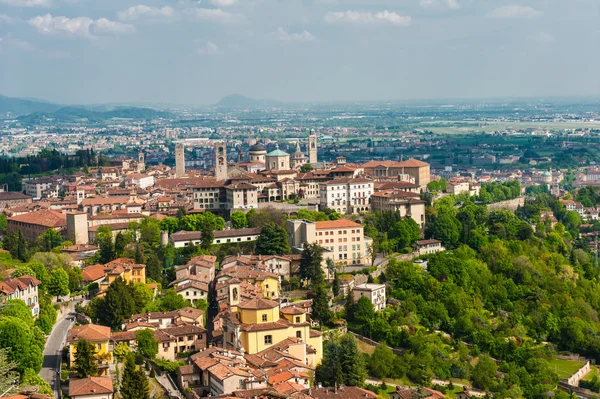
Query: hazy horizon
[298,51]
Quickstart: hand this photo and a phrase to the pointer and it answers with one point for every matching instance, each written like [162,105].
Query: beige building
[400,201]
[241,196]
[375,293]
[346,195]
[343,240]
[24,288]
[413,168]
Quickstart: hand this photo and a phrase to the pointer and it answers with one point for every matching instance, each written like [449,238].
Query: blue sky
[195,52]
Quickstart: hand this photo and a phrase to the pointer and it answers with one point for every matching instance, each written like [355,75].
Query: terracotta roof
[18,283]
[93,273]
[199,285]
[342,393]
[292,310]
[258,303]
[89,332]
[43,217]
[426,242]
[412,393]
[336,224]
[10,196]
[90,386]
[413,163]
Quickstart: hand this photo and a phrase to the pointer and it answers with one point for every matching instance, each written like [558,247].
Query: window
[190,338]
[268,339]
[180,339]
[199,336]
[297,319]
[100,347]
[298,334]
[264,317]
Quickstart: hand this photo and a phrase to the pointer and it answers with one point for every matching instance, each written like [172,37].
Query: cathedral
[281,160]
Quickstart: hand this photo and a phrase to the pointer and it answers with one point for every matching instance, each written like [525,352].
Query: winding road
[52,352]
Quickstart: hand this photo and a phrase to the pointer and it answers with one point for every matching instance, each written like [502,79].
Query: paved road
[52,352]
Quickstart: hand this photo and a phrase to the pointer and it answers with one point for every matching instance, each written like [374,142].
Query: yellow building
[266,282]
[100,336]
[261,324]
[125,268]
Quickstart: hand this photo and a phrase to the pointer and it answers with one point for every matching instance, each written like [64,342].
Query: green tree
[135,384]
[208,236]
[169,225]
[41,273]
[31,379]
[306,168]
[447,228]
[147,345]
[23,270]
[239,220]
[17,337]
[18,309]
[349,306]
[381,362]
[353,366]
[75,279]
[272,241]
[142,296]
[310,264]
[121,351]
[320,305]
[329,372]
[150,231]
[364,310]
[3,223]
[59,283]
[121,241]
[50,239]
[86,361]
[484,372]
[16,244]
[104,240]
[118,305]
[8,373]
[170,301]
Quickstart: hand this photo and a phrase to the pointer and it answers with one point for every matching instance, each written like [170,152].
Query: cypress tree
[353,365]
[86,363]
[135,384]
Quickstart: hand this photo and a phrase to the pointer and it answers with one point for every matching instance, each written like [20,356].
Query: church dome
[258,147]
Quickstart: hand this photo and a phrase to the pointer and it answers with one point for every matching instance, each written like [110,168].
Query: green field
[565,368]
[463,127]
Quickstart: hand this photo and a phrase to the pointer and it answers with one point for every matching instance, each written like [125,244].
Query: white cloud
[80,26]
[359,17]
[143,11]
[215,14]
[223,3]
[107,27]
[209,48]
[5,19]
[515,11]
[453,4]
[27,3]
[282,34]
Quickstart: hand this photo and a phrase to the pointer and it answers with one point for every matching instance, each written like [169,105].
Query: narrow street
[52,352]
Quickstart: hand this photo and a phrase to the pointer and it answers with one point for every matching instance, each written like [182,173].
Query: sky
[197,51]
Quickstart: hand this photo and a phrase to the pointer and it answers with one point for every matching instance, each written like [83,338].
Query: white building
[346,195]
[141,180]
[182,239]
[425,247]
[375,292]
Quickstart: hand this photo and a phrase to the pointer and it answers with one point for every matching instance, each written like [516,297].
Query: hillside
[20,106]
[75,114]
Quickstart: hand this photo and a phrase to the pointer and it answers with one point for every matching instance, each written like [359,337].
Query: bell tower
[221,161]
[312,149]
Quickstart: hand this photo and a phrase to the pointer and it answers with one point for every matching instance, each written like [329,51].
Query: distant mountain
[76,114]
[239,101]
[23,106]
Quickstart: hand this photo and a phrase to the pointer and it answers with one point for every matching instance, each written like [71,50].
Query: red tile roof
[43,217]
[336,224]
[90,386]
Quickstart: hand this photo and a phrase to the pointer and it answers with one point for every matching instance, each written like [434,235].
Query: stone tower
[141,164]
[179,161]
[221,161]
[312,149]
